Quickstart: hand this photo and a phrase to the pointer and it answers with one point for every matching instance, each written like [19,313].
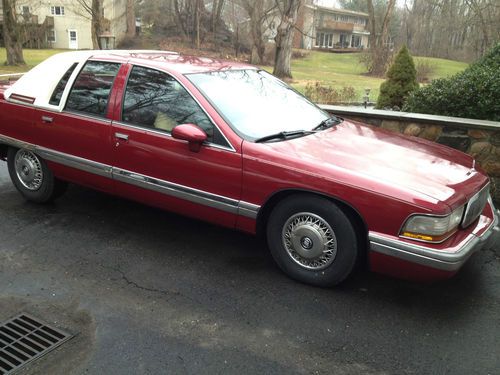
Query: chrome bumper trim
[205,198]
[446,261]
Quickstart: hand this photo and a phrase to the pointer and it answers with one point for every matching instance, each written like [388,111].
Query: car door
[152,166]
[78,140]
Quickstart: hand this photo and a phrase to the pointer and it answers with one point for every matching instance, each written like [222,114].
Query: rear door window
[90,92]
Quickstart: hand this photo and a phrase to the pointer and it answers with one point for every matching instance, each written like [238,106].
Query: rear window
[90,93]
[55,99]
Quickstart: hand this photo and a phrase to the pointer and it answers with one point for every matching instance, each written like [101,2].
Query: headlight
[432,228]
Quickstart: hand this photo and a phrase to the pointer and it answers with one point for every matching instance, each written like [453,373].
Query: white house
[67,24]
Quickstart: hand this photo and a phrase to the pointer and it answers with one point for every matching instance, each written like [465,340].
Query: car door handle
[121,136]
[47,119]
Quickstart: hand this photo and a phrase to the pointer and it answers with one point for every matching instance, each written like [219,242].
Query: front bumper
[447,260]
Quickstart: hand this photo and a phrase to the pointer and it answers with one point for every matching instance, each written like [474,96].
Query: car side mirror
[191,133]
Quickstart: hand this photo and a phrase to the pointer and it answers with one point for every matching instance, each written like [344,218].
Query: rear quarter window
[55,99]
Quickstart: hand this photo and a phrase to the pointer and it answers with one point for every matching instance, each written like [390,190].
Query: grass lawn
[332,69]
[31,56]
[344,69]
[443,68]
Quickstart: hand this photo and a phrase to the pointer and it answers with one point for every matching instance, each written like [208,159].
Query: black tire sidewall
[46,191]
[345,233]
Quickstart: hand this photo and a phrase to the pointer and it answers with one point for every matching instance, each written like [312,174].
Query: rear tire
[312,240]
[32,177]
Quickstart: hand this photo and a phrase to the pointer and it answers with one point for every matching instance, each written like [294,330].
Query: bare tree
[217,8]
[380,48]
[284,37]
[456,29]
[93,10]
[189,15]
[257,11]
[130,18]
[12,34]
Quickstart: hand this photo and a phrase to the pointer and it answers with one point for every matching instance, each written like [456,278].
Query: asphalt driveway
[148,292]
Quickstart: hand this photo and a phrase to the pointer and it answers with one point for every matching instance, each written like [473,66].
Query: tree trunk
[198,5]
[258,46]
[12,34]
[379,50]
[96,28]
[482,23]
[255,11]
[217,8]
[284,39]
[385,25]
[371,24]
[178,18]
[130,18]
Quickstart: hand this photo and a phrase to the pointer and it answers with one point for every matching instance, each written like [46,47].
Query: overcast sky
[328,3]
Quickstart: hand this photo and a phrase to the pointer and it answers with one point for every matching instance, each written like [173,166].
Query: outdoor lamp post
[366,98]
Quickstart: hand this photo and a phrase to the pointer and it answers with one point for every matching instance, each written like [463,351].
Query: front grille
[475,206]
[24,339]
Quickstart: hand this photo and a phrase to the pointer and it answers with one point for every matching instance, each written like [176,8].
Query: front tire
[32,177]
[312,240]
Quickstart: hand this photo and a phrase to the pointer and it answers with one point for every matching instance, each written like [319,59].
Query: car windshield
[256,104]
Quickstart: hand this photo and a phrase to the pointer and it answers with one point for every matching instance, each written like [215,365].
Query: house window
[57,11]
[344,41]
[51,36]
[25,10]
[356,41]
[324,40]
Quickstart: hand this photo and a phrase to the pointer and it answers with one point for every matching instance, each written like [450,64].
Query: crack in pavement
[169,293]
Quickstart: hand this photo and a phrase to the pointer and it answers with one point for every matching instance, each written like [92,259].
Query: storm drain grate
[24,339]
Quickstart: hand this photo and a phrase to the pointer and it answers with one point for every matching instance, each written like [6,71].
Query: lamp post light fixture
[366,98]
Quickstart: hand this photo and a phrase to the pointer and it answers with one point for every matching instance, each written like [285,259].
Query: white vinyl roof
[39,83]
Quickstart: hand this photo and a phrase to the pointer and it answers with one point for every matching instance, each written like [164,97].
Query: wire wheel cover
[28,170]
[310,241]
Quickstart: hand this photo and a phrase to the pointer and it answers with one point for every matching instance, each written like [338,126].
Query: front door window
[154,99]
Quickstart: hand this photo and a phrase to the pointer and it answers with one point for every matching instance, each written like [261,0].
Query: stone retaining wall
[478,138]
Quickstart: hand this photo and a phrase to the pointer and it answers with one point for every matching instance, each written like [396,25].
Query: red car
[231,144]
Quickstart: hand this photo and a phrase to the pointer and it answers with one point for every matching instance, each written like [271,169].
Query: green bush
[473,93]
[401,81]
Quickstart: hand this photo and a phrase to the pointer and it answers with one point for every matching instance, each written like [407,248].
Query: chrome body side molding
[248,210]
[178,191]
[76,162]
[187,193]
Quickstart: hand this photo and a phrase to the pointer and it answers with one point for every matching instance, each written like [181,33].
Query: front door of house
[73,39]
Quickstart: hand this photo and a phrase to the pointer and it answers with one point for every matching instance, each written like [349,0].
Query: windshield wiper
[327,123]
[285,135]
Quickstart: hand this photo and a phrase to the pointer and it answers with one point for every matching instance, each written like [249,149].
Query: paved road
[148,292]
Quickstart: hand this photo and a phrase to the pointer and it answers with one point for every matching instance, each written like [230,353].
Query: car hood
[377,154]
